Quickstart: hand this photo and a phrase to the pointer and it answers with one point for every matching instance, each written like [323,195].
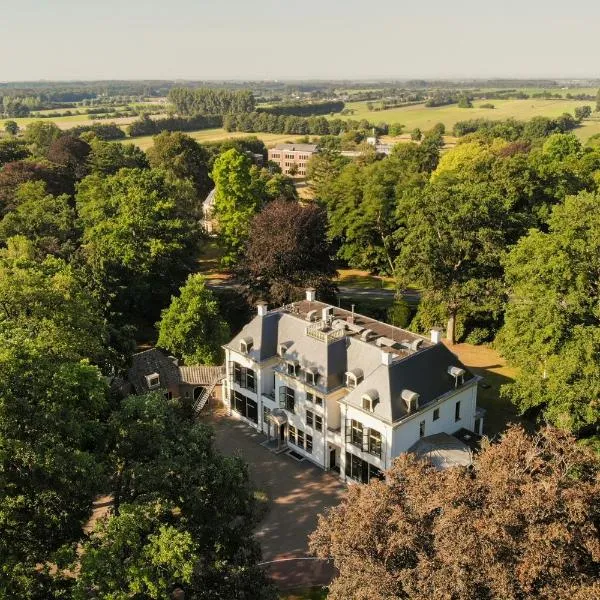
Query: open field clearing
[418,115]
[217,135]
[75,120]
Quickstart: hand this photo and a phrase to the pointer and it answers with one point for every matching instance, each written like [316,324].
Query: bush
[400,313]
[487,105]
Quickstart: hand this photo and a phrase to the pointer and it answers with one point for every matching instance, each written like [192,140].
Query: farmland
[418,115]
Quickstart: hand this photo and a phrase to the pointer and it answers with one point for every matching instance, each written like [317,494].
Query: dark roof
[149,362]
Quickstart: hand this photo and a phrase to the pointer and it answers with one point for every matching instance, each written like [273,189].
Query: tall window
[309,418]
[286,398]
[436,414]
[375,443]
[308,445]
[356,437]
[360,470]
[422,429]
[318,423]
[292,434]
[244,377]
[457,411]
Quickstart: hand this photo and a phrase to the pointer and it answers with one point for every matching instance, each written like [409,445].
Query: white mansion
[345,391]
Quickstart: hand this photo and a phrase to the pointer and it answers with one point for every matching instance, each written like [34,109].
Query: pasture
[418,115]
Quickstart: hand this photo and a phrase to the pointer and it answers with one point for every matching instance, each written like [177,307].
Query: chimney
[311,295]
[436,335]
[262,308]
[386,357]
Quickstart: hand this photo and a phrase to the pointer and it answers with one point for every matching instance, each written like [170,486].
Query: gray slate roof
[298,147]
[443,450]
[152,361]
[424,371]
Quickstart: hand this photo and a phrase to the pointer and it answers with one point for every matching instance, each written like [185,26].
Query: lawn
[418,115]
[356,278]
[306,594]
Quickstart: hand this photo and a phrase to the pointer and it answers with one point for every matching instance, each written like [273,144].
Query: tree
[48,221]
[40,135]
[11,127]
[416,134]
[192,327]
[107,158]
[287,251]
[551,330]
[184,158]
[50,464]
[236,201]
[465,102]
[71,153]
[522,523]
[11,150]
[598,101]
[183,514]
[137,240]
[582,112]
[454,235]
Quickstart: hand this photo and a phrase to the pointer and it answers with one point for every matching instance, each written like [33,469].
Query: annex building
[347,392]
[292,158]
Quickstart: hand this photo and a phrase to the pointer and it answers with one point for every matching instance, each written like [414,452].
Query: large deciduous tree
[524,522]
[138,240]
[192,326]
[180,155]
[552,322]
[287,251]
[236,201]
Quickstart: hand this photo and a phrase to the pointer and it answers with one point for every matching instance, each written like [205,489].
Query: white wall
[371,422]
[407,433]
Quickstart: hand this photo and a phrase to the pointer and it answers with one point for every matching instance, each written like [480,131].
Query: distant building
[292,158]
[208,213]
[152,370]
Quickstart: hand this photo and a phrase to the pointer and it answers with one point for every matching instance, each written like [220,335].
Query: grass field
[216,135]
[71,121]
[418,115]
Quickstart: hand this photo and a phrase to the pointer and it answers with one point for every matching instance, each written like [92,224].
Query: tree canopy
[522,523]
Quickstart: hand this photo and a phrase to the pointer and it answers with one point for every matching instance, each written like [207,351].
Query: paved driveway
[298,491]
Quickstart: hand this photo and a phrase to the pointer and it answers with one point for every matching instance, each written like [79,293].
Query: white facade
[271,366]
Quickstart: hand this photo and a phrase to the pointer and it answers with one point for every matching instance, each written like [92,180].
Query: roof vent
[384,341]
[339,324]
[415,344]
[411,399]
[311,315]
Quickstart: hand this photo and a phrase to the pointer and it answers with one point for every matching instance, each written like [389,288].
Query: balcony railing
[321,331]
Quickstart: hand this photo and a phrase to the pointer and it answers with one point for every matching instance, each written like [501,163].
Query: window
[354,377]
[422,429]
[246,345]
[375,443]
[367,403]
[292,434]
[309,418]
[436,414]
[266,413]
[286,398]
[318,401]
[356,437]
[245,407]
[457,411]
[360,470]
[311,377]
[310,397]
[153,380]
[308,446]
[244,377]
[293,368]
[318,423]
[300,438]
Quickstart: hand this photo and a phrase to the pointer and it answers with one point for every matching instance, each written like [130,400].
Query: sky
[297,39]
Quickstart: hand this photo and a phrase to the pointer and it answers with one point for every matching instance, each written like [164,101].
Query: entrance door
[282,433]
[332,460]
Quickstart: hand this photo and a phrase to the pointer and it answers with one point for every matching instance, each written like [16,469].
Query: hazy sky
[268,39]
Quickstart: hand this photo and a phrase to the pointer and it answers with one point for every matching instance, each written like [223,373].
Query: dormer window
[312,376]
[282,350]
[246,345]
[153,381]
[458,374]
[354,377]
[293,368]
[411,399]
[369,400]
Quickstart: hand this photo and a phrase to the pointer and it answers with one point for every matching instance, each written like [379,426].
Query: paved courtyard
[298,491]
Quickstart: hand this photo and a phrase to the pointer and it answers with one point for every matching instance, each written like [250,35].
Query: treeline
[206,101]
[511,129]
[269,123]
[303,109]
[103,131]
[148,126]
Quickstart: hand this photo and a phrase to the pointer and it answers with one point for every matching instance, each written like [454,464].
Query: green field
[418,115]
[216,135]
